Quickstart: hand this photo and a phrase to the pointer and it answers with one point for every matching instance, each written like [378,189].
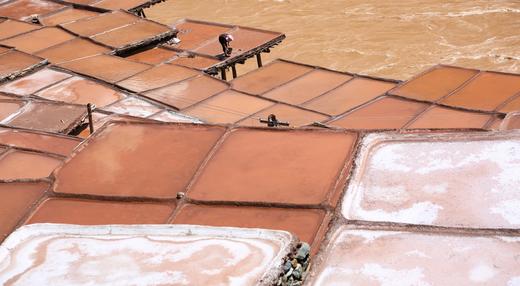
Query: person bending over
[224,40]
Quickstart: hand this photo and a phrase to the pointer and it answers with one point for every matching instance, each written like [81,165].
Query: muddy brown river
[394,39]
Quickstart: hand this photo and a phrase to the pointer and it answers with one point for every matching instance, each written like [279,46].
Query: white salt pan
[467,179]
[48,254]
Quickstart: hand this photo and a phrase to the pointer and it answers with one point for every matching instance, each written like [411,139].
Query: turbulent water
[393,39]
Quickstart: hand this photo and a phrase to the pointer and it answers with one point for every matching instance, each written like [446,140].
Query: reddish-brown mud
[227,107]
[349,95]
[188,92]
[305,223]
[385,113]
[108,68]
[112,163]
[17,199]
[157,77]
[87,212]
[294,167]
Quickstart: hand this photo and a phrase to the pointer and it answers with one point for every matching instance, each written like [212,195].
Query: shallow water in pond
[394,39]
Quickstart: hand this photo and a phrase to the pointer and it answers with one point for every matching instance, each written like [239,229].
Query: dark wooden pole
[234,69]
[223,73]
[259,59]
[90,122]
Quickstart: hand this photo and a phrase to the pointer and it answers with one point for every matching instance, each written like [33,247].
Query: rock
[305,264]
[288,273]
[303,252]
[284,280]
[287,266]
[298,272]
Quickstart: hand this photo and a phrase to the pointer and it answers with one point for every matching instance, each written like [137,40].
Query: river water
[393,39]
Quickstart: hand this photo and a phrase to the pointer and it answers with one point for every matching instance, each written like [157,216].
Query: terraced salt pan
[34,82]
[80,90]
[455,180]
[365,257]
[57,254]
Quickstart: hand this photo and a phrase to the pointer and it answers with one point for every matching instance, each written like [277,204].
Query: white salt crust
[54,254]
[134,107]
[366,257]
[466,179]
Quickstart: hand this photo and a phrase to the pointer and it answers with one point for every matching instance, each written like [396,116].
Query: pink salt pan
[367,257]
[452,179]
[80,90]
[34,82]
[52,254]
[26,165]
[50,143]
